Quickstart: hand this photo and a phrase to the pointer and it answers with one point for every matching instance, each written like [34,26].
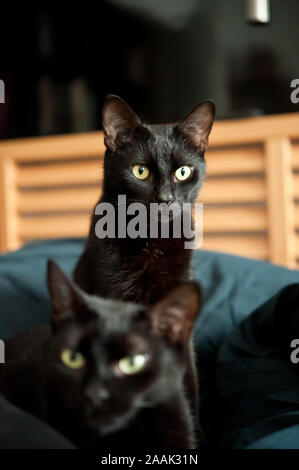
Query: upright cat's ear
[119,122]
[173,317]
[66,300]
[197,125]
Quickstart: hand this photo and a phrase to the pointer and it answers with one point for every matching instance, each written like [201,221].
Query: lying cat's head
[106,359]
[154,163]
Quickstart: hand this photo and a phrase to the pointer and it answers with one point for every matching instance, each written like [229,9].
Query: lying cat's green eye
[183,173]
[72,359]
[132,364]
[140,171]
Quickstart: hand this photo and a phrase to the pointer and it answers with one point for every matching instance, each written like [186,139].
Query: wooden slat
[296,211]
[84,199]
[228,132]
[77,225]
[248,246]
[61,200]
[215,219]
[55,147]
[255,129]
[60,174]
[232,161]
[296,186]
[54,227]
[9,239]
[280,201]
[295,156]
[235,219]
[297,245]
[247,159]
[232,190]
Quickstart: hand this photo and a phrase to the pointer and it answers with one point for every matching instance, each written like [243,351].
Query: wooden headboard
[48,186]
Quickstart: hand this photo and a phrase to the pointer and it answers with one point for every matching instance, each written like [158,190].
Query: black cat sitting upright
[147,163]
[108,374]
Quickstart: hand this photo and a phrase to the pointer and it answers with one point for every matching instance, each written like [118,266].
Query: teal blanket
[232,288]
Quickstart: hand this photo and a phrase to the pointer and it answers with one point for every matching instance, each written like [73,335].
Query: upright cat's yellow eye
[72,359]
[132,364]
[183,173]
[140,171]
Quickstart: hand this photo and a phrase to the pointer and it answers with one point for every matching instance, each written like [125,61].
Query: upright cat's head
[107,360]
[154,163]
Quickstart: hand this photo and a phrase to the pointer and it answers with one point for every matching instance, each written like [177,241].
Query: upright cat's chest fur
[158,269]
[139,272]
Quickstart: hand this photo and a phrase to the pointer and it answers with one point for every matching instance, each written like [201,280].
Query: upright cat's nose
[165,197]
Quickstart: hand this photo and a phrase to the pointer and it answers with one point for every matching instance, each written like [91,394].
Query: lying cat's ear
[173,317]
[197,125]
[119,122]
[66,301]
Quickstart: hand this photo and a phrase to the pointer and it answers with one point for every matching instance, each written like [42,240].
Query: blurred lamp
[257,11]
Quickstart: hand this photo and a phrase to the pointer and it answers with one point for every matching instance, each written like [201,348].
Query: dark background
[162,56]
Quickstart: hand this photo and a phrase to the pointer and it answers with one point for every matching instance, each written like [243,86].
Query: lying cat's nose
[97,395]
[103,394]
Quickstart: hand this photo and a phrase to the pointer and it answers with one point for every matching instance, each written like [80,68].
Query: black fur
[144,270]
[96,406]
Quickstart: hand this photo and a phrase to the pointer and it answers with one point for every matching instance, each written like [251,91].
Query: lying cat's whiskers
[144,404]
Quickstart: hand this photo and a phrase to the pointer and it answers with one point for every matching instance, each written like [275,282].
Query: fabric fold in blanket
[20,430]
[257,383]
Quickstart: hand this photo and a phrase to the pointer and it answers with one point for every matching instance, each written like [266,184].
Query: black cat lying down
[108,374]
